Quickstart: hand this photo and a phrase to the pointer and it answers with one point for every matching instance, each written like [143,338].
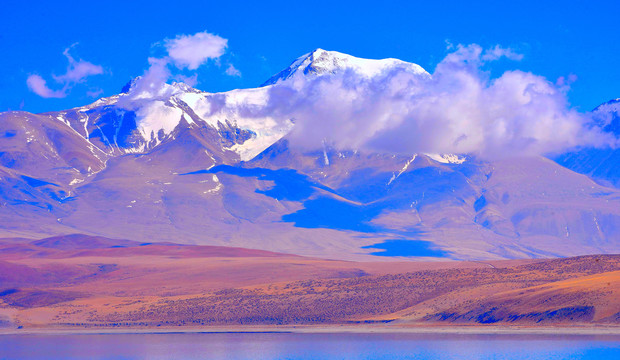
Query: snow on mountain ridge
[142,116]
[320,62]
[148,119]
[145,114]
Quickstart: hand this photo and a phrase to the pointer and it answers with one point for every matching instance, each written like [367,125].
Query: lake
[308,346]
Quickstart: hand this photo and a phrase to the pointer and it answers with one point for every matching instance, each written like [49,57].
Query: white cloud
[191,51]
[184,51]
[498,52]
[459,109]
[150,86]
[189,80]
[77,72]
[564,82]
[150,83]
[38,85]
[232,71]
[94,93]
[475,55]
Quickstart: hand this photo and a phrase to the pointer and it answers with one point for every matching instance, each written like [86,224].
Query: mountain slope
[131,123]
[600,164]
[157,286]
[186,166]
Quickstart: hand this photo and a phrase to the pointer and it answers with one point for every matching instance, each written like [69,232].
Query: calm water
[307,346]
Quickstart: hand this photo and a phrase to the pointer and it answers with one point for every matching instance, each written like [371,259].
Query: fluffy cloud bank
[458,109]
[183,52]
[38,85]
[191,51]
[149,92]
[77,72]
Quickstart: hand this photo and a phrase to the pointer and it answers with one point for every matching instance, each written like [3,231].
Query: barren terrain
[80,282]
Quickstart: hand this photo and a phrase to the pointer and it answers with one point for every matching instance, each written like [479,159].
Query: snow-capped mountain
[130,123]
[323,62]
[173,163]
[136,122]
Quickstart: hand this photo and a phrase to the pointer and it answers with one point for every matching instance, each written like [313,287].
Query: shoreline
[335,329]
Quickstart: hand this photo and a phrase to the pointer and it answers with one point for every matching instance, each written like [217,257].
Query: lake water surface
[308,346]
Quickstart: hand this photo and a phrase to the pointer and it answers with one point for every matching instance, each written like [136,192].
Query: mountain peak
[612,102]
[607,116]
[131,83]
[321,62]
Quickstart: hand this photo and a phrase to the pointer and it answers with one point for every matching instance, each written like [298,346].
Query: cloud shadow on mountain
[407,248]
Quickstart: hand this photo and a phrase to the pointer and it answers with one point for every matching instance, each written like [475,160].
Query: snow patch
[447,158]
[396,175]
[76,181]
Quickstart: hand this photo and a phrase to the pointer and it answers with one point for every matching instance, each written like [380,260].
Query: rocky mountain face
[603,165]
[192,167]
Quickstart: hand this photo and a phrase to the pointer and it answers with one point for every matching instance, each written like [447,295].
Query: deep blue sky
[576,37]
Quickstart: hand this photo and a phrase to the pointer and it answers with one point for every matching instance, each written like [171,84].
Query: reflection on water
[308,346]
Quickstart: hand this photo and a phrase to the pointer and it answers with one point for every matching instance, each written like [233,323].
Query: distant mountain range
[176,164]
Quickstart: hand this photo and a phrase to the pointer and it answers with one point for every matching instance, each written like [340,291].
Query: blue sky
[578,38]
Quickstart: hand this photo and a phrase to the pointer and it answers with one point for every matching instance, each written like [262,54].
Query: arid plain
[84,283]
